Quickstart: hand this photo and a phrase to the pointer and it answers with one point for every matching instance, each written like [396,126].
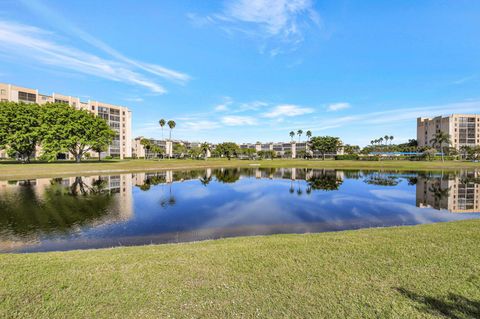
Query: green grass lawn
[425,271]
[14,170]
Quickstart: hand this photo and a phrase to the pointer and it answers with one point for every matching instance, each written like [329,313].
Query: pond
[177,206]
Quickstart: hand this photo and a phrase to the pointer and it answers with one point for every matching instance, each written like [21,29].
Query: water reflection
[155,207]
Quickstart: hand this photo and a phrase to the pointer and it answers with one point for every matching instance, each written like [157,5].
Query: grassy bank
[409,272]
[14,170]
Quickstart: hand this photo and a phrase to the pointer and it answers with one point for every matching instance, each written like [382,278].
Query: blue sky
[250,71]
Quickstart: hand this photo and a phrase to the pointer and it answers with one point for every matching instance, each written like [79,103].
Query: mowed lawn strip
[425,271]
[36,170]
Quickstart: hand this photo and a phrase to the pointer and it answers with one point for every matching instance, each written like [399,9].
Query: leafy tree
[250,152]
[351,149]
[195,152]
[439,140]
[65,128]
[20,129]
[228,175]
[227,149]
[171,124]
[179,149]
[99,147]
[325,144]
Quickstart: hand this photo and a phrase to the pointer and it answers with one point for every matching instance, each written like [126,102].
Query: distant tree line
[55,127]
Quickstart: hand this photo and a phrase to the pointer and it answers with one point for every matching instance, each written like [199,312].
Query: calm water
[176,206]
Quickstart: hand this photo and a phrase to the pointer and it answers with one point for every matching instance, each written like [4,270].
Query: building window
[3,92]
[93,107]
[27,97]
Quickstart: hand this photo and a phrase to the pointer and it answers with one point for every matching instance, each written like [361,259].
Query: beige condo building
[464,129]
[118,117]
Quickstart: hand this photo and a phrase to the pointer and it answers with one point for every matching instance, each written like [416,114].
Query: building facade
[118,117]
[464,129]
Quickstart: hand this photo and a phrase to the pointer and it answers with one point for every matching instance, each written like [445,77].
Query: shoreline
[10,171]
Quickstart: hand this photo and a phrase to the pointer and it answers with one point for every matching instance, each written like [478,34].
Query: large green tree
[65,128]
[20,129]
[227,149]
[325,144]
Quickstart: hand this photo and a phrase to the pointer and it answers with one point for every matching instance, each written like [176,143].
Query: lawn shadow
[450,306]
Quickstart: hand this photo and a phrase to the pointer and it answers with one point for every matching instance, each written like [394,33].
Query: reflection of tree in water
[325,180]
[381,179]
[152,180]
[439,193]
[205,180]
[227,175]
[58,210]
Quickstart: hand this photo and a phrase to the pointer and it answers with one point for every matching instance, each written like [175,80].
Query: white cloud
[275,17]
[199,125]
[288,110]
[251,106]
[65,25]
[223,107]
[134,99]
[239,120]
[35,44]
[338,106]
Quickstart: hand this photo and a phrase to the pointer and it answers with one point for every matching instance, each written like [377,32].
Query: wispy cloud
[134,99]
[66,26]
[338,106]
[224,106]
[233,120]
[34,44]
[464,79]
[288,110]
[282,20]
[393,116]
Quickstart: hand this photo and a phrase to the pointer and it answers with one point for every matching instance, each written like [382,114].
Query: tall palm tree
[299,132]
[380,140]
[391,139]
[171,124]
[204,147]
[309,134]
[292,134]
[372,142]
[162,124]
[386,138]
[439,140]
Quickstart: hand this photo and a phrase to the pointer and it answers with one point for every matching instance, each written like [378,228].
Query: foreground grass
[408,272]
[35,170]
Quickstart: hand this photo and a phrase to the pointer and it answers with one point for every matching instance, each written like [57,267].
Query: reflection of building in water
[121,185]
[457,194]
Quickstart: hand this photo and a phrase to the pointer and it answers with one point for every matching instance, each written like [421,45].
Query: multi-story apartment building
[118,117]
[464,129]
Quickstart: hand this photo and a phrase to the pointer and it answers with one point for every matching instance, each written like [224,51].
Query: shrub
[349,157]
[108,157]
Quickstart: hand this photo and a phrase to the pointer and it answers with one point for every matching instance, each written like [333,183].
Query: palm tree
[440,139]
[391,139]
[299,132]
[171,124]
[372,142]
[380,140]
[292,134]
[204,147]
[386,137]
[309,134]
[162,124]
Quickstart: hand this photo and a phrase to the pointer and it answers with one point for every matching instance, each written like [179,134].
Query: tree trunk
[78,158]
[99,158]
